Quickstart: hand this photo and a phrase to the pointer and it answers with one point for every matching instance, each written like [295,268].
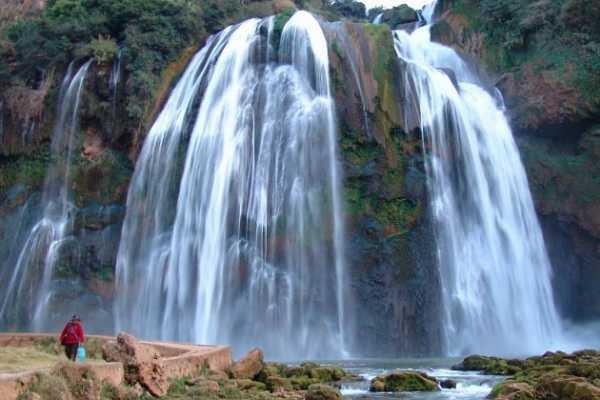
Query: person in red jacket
[71,336]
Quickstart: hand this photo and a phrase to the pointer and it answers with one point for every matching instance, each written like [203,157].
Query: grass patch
[93,347]
[16,359]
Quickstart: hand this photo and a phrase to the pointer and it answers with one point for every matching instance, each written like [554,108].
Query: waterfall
[378,18]
[234,231]
[115,78]
[29,289]
[495,271]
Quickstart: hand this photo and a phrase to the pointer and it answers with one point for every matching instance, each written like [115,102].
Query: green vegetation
[104,50]
[551,35]
[349,9]
[574,376]
[151,34]
[29,171]
[376,187]
[399,15]
[557,175]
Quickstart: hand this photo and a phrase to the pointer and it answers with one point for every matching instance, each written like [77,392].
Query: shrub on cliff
[349,9]
[150,32]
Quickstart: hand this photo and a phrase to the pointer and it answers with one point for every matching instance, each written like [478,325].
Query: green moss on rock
[322,392]
[404,381]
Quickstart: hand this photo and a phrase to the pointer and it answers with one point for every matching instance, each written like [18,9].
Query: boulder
[515,391]
[322,392]
[377,386]
[316,372]
[569,387]
[404,381]
[488,365]
[448,384]
[399,15]
[248,366]
[142,363]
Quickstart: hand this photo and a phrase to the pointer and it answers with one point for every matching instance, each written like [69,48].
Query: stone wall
[177,360]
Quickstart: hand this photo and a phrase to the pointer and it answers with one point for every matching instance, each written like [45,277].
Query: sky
[393,3]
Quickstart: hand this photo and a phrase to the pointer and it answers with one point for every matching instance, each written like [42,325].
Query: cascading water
[29,290]
[115,79]
[494,268]
[233,231]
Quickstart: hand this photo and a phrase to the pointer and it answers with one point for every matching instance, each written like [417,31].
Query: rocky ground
[249,378]
[554,376]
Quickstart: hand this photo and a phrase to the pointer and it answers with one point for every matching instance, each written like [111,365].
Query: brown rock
[249,365]
[516,391]
[568,387]
[142,363]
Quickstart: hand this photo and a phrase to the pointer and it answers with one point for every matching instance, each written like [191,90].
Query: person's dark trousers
[71,351]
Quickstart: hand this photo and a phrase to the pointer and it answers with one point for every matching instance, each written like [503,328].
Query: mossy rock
[277,384]
[400,15]
[270,369]
[514,391]
[586,369]
[404,381]
[489,365]
[248,384]
[322,392]
[302,382]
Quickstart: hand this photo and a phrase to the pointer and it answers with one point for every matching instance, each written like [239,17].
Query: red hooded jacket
[72,333]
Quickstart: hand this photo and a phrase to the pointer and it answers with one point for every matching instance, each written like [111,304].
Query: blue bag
[81,354]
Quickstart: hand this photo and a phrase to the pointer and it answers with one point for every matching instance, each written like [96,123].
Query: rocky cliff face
[394,277]
[390,244]
[112,120]
[390,248]
[544,57]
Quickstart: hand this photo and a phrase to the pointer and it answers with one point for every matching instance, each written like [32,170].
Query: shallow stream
[470,385]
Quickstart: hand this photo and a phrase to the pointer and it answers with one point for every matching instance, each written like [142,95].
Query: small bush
[48,387]
[104,50]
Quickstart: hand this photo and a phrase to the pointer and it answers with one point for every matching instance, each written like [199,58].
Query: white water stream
[495,272]
[233,231]
[29,289]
